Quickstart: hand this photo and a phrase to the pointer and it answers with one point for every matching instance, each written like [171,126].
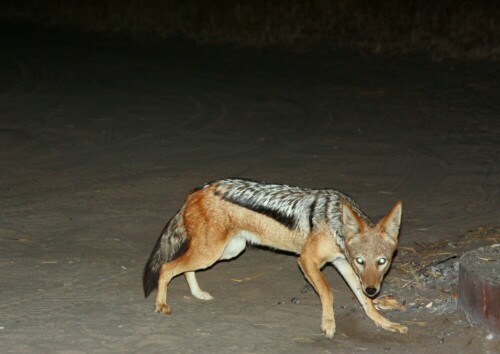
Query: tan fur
[218,229]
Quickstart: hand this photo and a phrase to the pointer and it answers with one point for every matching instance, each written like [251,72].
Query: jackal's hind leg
[195,288]
[190,261]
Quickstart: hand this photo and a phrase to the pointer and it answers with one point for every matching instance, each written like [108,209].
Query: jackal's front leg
[312,272]
[354,283]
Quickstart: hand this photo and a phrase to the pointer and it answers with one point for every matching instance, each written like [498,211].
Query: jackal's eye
[381,261]
[360,260]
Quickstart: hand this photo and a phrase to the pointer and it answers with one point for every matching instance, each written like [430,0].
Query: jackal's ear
[390,223]
[353,224]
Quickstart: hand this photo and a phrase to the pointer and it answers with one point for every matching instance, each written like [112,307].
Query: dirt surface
[101,138]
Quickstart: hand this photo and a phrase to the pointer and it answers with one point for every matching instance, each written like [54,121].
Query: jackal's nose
[370,290]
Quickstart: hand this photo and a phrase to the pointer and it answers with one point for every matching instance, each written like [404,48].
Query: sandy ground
[101,138]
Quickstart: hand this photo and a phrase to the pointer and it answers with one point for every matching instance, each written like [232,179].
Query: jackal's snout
[370,291]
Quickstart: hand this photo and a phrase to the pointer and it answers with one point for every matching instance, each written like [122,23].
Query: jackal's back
[298,209]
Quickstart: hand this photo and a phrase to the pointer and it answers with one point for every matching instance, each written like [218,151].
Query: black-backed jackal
[321,226]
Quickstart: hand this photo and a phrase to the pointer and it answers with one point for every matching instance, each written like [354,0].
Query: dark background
[448,28]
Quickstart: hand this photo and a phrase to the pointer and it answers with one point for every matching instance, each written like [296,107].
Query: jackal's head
[370,248]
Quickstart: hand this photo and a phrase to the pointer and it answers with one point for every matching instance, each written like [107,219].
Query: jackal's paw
[328,327]
[395,327]
[203,295]
[163,308]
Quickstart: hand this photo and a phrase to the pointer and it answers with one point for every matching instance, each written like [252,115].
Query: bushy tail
[170,245]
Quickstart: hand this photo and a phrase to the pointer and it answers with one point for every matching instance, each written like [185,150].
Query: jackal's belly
[264,235]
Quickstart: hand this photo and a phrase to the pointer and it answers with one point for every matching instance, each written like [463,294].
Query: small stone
[294,300]
[305,289]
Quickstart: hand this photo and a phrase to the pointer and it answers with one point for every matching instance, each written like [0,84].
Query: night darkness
[458,29]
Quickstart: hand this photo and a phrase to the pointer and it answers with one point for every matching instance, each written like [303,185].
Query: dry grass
[425,275]
[460,29]
[412,262]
